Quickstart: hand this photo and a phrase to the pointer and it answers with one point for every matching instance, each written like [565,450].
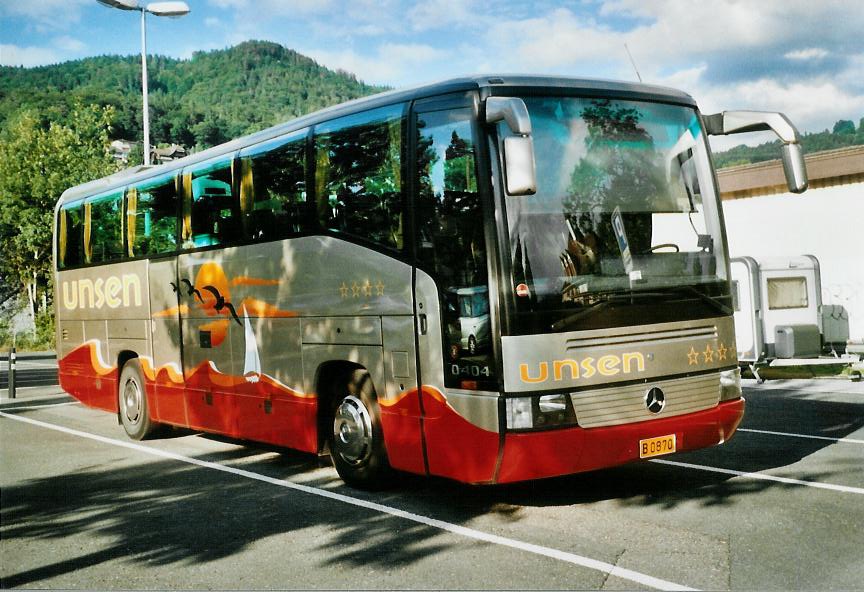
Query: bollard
[12,373]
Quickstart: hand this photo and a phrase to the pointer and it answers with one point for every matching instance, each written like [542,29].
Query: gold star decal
[343,290]
[355,290]
[367,289]
[692,357]
[379,288]
[722,351]
[708,354]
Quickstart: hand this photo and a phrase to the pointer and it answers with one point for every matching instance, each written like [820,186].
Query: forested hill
[209,99]
[223,94]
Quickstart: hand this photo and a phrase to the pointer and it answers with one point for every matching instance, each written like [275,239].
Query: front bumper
[535,455]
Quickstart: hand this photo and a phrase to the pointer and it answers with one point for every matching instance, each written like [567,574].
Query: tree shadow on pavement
[166,512]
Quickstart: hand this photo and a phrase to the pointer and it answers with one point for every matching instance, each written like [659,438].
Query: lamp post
[169,9]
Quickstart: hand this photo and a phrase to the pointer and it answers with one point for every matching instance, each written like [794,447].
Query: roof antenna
[632,62]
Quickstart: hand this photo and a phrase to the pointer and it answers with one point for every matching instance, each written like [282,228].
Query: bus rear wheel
[134,413]
[356,441]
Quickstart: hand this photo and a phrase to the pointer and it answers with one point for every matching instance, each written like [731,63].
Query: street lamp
[169,9]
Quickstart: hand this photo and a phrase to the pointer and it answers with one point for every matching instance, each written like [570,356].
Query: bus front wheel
[356,441]
[134,413]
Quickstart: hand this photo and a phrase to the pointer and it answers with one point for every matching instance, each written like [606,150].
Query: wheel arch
[123,358]
[330,377]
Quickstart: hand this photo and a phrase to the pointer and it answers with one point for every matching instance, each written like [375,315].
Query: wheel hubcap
[352,431]
[131,401]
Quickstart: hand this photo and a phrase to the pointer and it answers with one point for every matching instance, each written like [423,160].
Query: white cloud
[69,44]
[13,55]
[275,8]
[441,14]
[48,14]
[212,22]
[812,105]
[390,64]
[812,53]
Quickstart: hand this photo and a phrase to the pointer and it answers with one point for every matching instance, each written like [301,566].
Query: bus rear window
[70,236]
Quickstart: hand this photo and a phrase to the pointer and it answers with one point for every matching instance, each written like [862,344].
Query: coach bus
[489,279]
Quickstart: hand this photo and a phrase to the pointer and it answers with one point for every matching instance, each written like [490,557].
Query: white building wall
[827,223]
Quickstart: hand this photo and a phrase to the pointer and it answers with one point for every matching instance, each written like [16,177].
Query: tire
[132,401]
[472,345]
[356,440]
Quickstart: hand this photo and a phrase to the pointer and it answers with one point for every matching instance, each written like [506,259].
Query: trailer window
[789,292]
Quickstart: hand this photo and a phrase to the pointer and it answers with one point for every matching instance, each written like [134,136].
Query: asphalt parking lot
[781,506]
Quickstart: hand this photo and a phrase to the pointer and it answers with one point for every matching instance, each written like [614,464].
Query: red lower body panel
[263,409]
[573,450]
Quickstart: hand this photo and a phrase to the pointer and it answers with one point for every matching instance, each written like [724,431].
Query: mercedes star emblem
[655,400]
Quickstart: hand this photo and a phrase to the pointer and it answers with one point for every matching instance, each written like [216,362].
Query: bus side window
[358,175]
[215,208]
[106,228]
[70,236]
[152,217]
[273,191]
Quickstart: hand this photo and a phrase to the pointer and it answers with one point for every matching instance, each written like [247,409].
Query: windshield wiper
[602,304]
[715,303]
[596,307]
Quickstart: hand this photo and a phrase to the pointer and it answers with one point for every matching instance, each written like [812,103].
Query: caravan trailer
[779,311]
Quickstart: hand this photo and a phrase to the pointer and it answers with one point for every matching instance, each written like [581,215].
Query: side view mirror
[737,122]
[520,173]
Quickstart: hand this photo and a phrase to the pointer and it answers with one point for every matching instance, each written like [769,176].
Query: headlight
[519,416]
[544,411]
[730,384]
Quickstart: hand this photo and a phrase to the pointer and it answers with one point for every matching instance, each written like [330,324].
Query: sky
[801,57]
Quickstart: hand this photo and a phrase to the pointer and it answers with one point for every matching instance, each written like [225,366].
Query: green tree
[844,126]
[37,163]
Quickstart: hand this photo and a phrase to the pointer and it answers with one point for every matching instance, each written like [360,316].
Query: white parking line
[844,440]
[572,558]
[46,406]
[762,476]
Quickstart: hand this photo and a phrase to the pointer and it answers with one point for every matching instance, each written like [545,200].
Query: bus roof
[487,84]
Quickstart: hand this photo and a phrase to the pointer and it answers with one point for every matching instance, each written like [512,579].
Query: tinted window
[70,236]
[358,178]
[152,217]
[452,244]
[273,189]
[106,228]
[215,209]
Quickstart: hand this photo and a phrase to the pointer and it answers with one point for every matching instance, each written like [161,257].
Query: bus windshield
[625,222]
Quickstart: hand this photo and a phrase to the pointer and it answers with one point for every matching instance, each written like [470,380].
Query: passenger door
[457,374]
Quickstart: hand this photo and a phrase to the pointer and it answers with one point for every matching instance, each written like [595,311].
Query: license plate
[657,446]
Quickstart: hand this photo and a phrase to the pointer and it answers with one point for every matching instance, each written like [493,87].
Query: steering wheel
[665,246]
